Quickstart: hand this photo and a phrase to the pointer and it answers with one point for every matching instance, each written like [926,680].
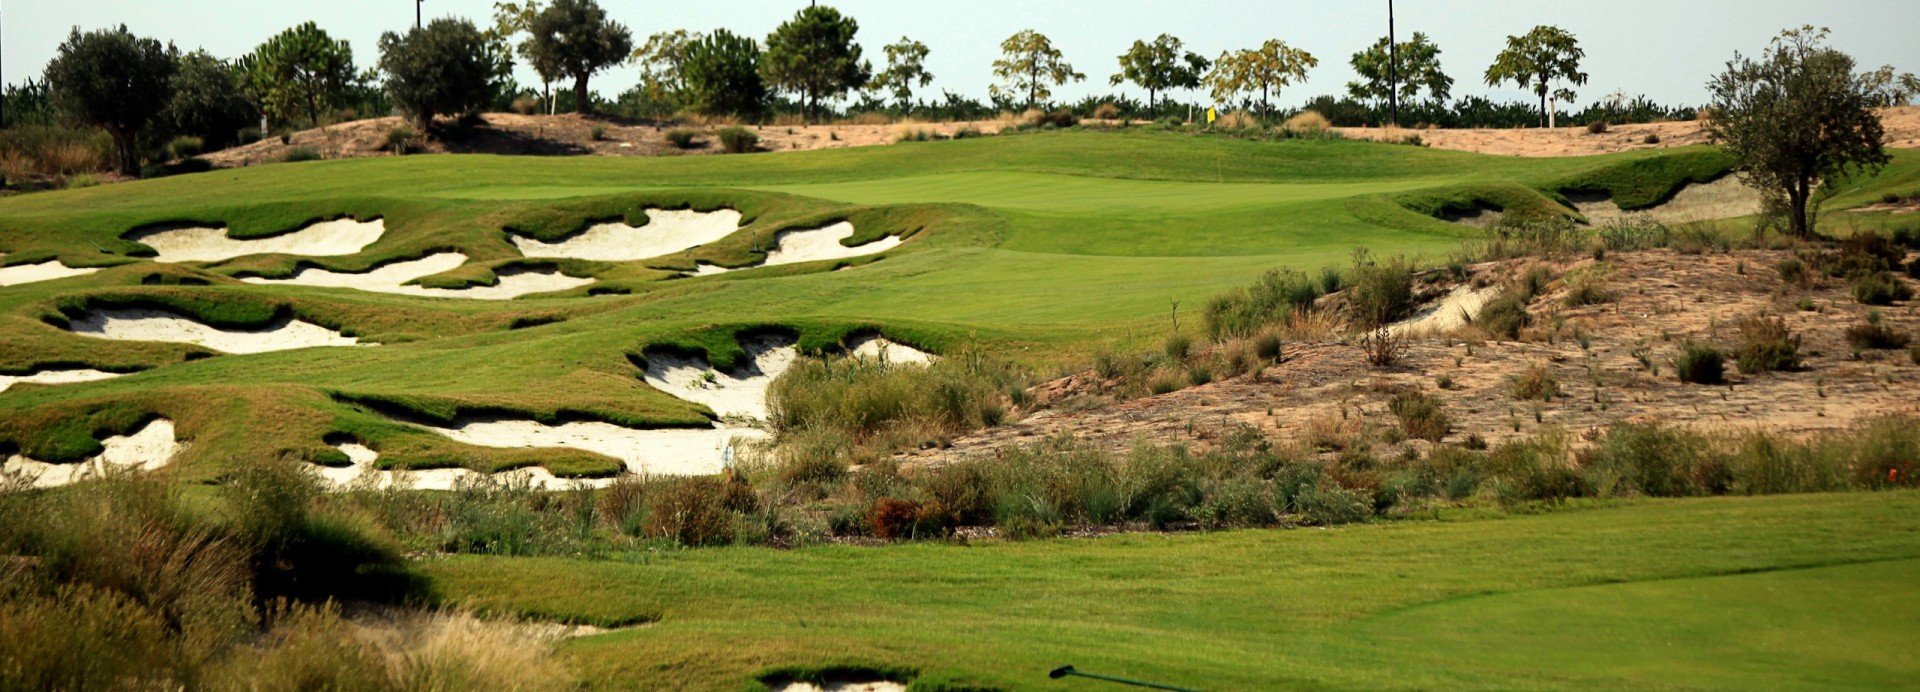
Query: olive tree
[906,70]
[115,81]
[1159,66]
[1029,63]
[1539,61]
[723,75]
[814,55]
[512,19]
[301,69]
[1415,65]
[447,67]
[1796,118]
[575,39]
[1266,70]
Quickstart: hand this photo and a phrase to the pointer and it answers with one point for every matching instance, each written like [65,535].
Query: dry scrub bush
[1766,345]
[1700,364]
[1875,334]
[1106,111]
[870,400]
[1307,122]
[1237,120]
[1421,415]
[1536,383]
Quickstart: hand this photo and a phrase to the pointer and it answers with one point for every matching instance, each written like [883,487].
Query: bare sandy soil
[1902,124]
[1325,390]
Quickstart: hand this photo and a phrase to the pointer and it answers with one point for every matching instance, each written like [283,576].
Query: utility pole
[416,13]
[1393,71]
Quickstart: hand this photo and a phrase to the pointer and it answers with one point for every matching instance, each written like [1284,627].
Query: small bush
[1537,383]
[1880,288]
[1328,504]
[682,138]
[1766,345]
[598,132]
[1793,272]
[1307,122]
[1199,374]
[1505,315]
[401,139]
[1597,127]
[1651,138]
[1379,293]
[1700,364]
[1383,347]
[1106,111]
[1178,346]
[1267,345]
[301,153]
[1421,416]
[1163,382]
[1875,334]
[738,140]
[185,147]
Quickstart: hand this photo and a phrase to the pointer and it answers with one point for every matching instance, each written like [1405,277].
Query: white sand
[1726,198]
[874,686]
[813,245]
[155,325]
[39,271]
[675,451]
[666,232]
[148,448]
[393,278]
[892,352]
[55,377]
[1478,218]
[1450,312]
[363,474]
[206,244]
[730,394]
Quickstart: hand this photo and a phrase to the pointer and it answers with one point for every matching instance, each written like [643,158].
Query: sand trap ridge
[393,278]
[812,245]
[156,325]
[40,271]
[206,244]
[1726,198]
[666,232]
[148,448]
[55,377]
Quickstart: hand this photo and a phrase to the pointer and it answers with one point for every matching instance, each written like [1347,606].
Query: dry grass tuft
[1307,122]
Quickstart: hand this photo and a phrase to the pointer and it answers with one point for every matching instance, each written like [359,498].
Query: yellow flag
[1212,115]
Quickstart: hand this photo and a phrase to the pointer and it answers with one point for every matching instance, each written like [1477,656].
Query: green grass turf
[1808,591]
[1043,246]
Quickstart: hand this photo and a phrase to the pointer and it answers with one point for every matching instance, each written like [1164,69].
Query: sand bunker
[869,686]
[1478,218]
[814,245]
[362,474]
[673,452]
[55,377]
[156,325]
[666,232]
[206,244]
[1450,312]
[1725,198]
[892,352]
[39,271]
[393,278]
[730,394]
[148,448]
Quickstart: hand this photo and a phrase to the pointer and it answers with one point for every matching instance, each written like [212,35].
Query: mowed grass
[1809,591]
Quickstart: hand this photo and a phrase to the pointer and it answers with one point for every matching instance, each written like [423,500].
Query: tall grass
[894,405]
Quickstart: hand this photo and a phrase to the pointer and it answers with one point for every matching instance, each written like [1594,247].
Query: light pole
[416,13]
[1393,71]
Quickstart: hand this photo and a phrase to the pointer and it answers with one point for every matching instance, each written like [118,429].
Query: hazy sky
[1663,48]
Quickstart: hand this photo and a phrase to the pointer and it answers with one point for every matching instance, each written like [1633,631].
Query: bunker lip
[149,447]
[56,376]
[41,271]
[140,324]
[657,451]
[394,277]
[188,242]
[667,232]
[810,245]
[362,473]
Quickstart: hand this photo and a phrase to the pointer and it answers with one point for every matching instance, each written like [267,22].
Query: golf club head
[1060,672]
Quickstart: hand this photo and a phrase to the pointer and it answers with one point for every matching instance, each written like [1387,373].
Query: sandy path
[55,377]
[666,232]
[148,448]
[155,325]
[393,278]
[39,271]
[206,244]
[811,245]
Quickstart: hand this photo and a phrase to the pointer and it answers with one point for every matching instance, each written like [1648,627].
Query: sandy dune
[205,244]
[55,377]
[666,232]
[156,325]
[811,245]
[393,278]
[148,448]
[39,271]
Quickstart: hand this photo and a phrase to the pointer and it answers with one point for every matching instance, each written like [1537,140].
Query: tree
[723,74]
[1538,61]
[301,69]
[512,19]
[1031,64]
[575,39]
[113,80]
[1890,88]
[663,63]
[814,55]
[1417,68]
[906,69]
[207,101]
[446,67]
[1267,70]
[1796,118]
[1160,66]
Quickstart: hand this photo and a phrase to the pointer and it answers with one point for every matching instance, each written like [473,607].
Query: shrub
[1505,315]
[1273,299]
[1651,138]
[873,401]
[1885,452]
[1880,288]
[185,147]
[1766,345]
[525,105]
[1379,293]
[301,153]
[1178,346]
[682,138]
[1383,347]
[1794,272]
[598,132]
[693,511]
[1537,382]
[1267,345]
[1328,504]
[1163,381]
[83,180]
[1597,127]
[1875,334]
[1307,122]
[738,140]
[1700,364]
[1658,461]
[1421,415]
[401,139]
[1106,111]
[1199,374]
